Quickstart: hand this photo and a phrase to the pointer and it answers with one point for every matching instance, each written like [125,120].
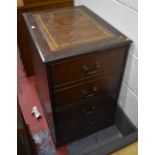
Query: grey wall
[122,14]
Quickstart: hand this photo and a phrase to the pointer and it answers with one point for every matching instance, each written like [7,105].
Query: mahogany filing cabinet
[79,60]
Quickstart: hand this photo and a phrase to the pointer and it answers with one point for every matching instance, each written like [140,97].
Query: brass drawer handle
[88,71]
[91,93]
[87,126]
[87,112]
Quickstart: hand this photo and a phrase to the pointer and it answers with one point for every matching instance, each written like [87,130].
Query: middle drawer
[87,90]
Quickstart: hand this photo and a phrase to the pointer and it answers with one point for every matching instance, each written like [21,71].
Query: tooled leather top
[69,27]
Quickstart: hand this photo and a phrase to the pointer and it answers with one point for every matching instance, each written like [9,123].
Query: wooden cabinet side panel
[123,68]
[42,87]
[24,45]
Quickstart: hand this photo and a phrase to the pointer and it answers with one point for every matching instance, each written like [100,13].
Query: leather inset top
[68,27]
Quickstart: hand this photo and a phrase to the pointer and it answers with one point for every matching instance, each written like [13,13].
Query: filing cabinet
[79,60]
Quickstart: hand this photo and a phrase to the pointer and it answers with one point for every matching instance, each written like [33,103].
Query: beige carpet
[131,149]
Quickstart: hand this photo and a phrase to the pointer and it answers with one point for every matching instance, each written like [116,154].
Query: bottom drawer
[74,113]
[99,120]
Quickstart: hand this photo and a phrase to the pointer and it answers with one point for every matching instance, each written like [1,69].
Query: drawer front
[87,66]
[83,110]
[99,120]
[87,90]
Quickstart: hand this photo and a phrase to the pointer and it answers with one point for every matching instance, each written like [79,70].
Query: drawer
[84,67]
[99,120]
[83,110]
[88,90]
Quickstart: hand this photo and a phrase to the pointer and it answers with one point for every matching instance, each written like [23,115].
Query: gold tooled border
[55,45]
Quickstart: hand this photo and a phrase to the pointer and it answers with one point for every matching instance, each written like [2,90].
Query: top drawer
[86,66]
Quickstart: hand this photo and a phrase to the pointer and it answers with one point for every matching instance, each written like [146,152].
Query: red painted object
[28,98]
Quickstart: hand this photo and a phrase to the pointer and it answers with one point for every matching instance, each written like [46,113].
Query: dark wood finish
[27,2]
[43,81]
[87,90]
[44,4]
[87,66]
[88,124]
[79,69]
[22,34]
[25,143]
[84,108]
